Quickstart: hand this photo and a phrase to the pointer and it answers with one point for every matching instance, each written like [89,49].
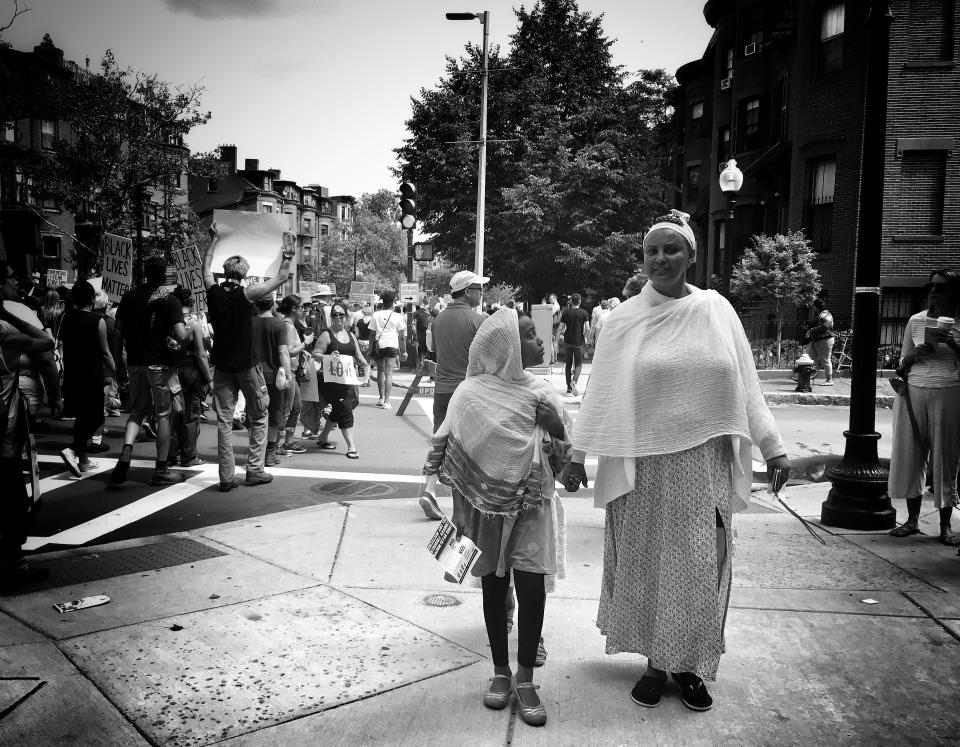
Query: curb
[836,400]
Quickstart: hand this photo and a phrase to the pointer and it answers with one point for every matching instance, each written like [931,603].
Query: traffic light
[408,205]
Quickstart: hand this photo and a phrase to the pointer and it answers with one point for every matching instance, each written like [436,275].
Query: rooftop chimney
[251,164]
[49,51]
[228,155]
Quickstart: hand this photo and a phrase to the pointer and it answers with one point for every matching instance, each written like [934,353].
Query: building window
[10,132]
[749,129]
[724,153]
[931,30]
[780,122]
[213,185]
[48,133]
[344,213]
[728,64]
[267,207]
[307,227]
[696,111]
[897,305]
[923,175]
[324,229]
[751,30]
[830,50]
[325,207]
[819,209]
[693,183]
[267,184]
[51,248]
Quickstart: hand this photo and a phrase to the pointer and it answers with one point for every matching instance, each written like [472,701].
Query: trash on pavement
[81,604]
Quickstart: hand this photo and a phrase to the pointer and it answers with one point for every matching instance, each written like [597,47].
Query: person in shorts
[146,317]
[388,331]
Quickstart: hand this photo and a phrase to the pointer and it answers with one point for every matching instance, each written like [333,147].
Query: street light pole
[731,180]
[484,18]
[858,500]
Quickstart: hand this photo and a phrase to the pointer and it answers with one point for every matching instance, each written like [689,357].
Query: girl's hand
[548,419]
[574,475]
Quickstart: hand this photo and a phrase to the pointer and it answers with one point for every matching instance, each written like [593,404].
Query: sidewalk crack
[343,530]
[932,616]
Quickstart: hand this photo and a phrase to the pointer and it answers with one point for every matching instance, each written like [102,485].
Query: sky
[320,89]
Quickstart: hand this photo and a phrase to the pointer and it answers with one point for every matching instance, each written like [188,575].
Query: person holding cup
[926,415]
[673,410]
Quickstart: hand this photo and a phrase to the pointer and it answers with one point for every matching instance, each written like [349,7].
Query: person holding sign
[339,350]
[236,369]
[503,441]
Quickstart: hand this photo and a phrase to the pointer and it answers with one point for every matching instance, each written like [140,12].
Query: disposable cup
[945,322]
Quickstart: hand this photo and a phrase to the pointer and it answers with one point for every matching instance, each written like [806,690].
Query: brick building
[38,232]
[314,212]
[780,88]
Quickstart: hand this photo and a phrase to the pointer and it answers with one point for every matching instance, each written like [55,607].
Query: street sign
[409,292]
[362,291]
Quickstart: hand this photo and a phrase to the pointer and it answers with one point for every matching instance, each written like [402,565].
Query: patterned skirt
[666,561]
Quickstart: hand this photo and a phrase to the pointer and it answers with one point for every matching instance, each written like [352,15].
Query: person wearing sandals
[821,338]
[389,331]
[499,448]
[338,340]
[926,417]
[673,410]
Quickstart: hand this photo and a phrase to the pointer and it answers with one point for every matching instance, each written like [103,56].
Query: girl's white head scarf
[678,222]
[495,349]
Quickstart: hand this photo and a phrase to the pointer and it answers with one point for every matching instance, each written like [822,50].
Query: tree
[584,171]
[374,240]
[125,142]
[779,270]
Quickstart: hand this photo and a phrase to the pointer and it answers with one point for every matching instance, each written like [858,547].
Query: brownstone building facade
[780,88]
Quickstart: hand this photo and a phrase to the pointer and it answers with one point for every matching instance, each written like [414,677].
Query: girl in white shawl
[672,408]
[499,449]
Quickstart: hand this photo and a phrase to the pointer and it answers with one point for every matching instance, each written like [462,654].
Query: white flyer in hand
[455,556]
[340,369]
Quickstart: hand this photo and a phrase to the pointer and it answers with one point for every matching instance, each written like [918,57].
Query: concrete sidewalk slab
[142,597]
[303,541]
[445,709]
[204,676]
[776,552]
[887,603]
[57,705]
[13,633]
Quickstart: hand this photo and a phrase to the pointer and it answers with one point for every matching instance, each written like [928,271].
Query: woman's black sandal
[693,692]
[648,691]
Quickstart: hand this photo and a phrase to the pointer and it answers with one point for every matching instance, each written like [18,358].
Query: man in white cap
[321,300]
[453,331]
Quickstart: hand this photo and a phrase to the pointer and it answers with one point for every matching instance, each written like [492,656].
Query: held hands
[548,419]
[214,232]
[573,476]
[778,463]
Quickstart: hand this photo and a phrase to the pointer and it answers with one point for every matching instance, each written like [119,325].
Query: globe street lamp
[731,179]
[484,18]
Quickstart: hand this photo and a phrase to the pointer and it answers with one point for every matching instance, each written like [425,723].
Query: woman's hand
[548,419]
[778,463]
[573,476]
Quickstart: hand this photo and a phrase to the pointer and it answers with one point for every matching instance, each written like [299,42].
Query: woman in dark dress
[338,340]
[86,354]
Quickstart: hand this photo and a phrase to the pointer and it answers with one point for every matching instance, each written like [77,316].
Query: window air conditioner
[750,49]
[725,84]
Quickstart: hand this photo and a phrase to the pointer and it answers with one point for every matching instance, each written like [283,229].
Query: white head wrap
[678,222]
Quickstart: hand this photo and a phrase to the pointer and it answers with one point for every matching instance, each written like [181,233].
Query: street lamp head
[462,16]
[731,178]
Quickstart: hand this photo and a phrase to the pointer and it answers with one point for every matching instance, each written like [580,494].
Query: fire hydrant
[805,369]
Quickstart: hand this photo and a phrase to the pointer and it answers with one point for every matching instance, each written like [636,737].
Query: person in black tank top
[86,354]
[342,397]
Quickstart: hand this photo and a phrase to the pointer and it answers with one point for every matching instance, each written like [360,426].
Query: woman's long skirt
[666,561]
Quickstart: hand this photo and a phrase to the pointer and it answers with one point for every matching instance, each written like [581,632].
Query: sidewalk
[330,625]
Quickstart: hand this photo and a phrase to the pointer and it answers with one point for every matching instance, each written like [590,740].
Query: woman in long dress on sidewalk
[499,448]
[672,408]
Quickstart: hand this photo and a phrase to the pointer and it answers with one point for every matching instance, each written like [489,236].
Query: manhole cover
[441,600]
[354,488]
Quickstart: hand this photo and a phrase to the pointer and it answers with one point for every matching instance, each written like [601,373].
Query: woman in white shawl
[499,448]
[672,408]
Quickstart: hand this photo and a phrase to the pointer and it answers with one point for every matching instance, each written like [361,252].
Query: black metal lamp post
[731,180]
[858,499]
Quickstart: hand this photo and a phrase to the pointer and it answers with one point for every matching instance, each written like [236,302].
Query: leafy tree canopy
[582,173]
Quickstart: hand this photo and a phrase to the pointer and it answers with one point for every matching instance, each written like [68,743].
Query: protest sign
[308,288]
[362,292]
[189,267]
[257,237]
[117,253]
[409,292]
[56,278]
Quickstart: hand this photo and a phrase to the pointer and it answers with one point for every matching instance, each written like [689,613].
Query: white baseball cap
[464,279]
